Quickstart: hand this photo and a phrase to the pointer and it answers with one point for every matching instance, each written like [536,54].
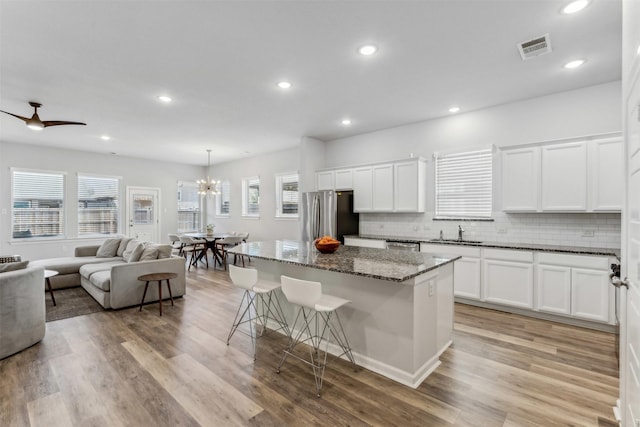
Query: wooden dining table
[210,240]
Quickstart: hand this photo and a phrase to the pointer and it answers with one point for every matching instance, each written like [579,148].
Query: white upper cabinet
[581,176]
[363,189]
[324,180]
[606,175]
[409,194]
[564,177]
[521,179]
[344,179]
[383,188]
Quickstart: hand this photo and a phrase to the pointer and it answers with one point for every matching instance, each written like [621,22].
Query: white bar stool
[314,311]
[267,301]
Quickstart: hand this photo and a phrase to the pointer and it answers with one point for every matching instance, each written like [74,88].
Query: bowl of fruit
[326,244]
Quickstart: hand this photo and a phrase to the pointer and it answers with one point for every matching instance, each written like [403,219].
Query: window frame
[246,182]
[223,184]
[279,181]
[119,199]
[199,198]
[484,157]
[62,214]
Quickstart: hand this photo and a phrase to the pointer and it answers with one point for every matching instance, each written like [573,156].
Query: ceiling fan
[35,123]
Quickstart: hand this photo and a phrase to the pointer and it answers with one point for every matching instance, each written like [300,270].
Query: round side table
[159,277]
[47,275]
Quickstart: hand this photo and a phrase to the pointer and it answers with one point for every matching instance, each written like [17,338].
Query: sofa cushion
[164,251]
[13,266]
[134,255]
[88,269]
[123,245]
[108,248]
[149,252]
[101,280]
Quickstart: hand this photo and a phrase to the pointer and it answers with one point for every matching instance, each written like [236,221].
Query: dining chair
[245,237]
[223,245]
[196,247]
[176,244]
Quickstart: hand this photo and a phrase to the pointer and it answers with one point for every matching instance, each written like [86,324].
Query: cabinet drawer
[507,255]
[580,261]
[450,250]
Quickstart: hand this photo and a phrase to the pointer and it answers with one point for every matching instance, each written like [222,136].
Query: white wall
[588,111]
[267,226]
[134,172]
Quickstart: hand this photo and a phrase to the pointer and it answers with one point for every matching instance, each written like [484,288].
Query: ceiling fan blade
[24,119]
[48,123]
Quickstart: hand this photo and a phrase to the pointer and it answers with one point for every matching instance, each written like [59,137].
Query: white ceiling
[105,62]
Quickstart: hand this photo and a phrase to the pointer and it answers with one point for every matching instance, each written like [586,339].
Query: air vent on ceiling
[536,47]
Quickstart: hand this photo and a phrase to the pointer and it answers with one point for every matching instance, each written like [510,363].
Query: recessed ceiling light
[575,6]
[346,122]
[105,137]
[574,64]
[368,49]
[164,98]
[454,109]
[284,85]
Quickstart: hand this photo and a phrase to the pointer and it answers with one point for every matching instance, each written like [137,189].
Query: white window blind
[287,195]
[98,205]
[223,199]
[188,207]
[464,184]
[251,196]
[37,204]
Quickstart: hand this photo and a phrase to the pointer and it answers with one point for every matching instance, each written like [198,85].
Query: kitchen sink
[456,241]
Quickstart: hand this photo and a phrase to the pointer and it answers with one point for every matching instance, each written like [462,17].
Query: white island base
[396,329]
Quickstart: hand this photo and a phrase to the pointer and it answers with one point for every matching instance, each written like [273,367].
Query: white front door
[143,213]
[630,299]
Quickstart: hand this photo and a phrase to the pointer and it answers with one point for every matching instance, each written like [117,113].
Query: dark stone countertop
[395,266]
[578,250]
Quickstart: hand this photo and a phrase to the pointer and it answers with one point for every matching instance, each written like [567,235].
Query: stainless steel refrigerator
[328,213]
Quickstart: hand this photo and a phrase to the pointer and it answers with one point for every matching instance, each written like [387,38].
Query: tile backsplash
[595,230]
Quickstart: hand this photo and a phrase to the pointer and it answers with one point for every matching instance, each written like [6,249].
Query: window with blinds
[37,204]
[251,197]
[223,199]
[287,195]
[464,184]
[189,217]
[98,205]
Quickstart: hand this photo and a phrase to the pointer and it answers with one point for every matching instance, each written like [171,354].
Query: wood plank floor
[130,368]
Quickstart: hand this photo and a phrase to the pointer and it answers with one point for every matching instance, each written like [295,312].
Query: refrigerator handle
[315,228]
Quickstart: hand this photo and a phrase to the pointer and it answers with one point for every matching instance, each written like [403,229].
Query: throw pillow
[108,248]
[149,252]
[129,248]
[13,266]
[124,241]
[164,251]
[134,256]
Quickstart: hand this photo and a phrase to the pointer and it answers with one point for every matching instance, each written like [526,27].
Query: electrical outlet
[588,233]
[502,230]
[431,290]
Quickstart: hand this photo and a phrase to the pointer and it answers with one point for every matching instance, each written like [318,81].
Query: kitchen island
[401,316]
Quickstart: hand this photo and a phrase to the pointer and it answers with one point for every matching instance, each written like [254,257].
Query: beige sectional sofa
[113,280]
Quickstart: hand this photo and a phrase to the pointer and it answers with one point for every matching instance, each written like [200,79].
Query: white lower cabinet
[508,282]
[590,294]
[554,289]
[577,286]
[466,270]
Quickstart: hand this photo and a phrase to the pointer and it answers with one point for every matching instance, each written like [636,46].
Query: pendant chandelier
[208,187]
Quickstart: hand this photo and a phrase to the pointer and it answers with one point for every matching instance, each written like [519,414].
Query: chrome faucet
[460,231]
